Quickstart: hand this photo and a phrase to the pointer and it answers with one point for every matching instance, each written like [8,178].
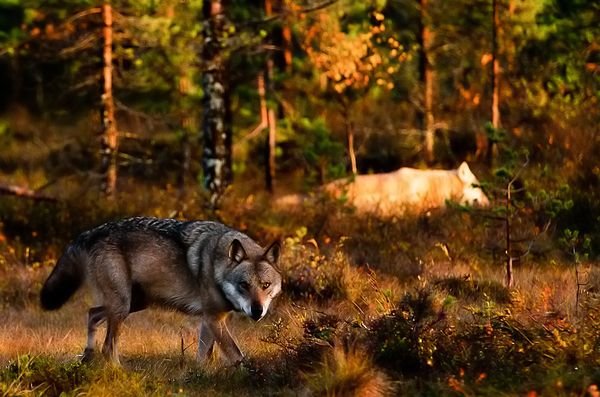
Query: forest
[341,129]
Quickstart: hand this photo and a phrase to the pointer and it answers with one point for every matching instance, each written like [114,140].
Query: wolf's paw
[238,363]
[88,355]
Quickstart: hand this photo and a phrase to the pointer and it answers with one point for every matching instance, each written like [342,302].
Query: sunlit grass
[415,306]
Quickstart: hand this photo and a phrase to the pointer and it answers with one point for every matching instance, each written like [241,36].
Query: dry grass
[347,372]
[410,306]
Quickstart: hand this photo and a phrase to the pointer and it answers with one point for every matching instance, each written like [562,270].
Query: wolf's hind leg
[115,284]
[206,342]
[113,327]
[96,316]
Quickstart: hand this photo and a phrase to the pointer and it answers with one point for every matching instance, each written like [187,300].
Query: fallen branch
[21,191]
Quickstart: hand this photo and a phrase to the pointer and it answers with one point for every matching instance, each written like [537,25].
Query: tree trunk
[264,113]
[287,47]
[109,125]
[495,78]
[214,161]
[350,139]
[507,225]
[228,172]
[426,77]
[272,138]
[186,125]
[271,144]
[271,117]
[16,78]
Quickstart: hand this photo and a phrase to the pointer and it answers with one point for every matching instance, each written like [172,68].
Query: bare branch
[21,191]
[275,17]
[151,120]
[88,41]
[525,164]
[532,242]
[502,190]
[256,130]
[317,7]
[90,81]
[84,13]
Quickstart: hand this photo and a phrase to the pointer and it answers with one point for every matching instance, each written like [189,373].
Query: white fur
[470,194]
[240,302]
[266,304]
[276,289]
[195,307]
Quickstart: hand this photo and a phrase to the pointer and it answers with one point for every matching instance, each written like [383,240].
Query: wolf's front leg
[226,342]
[206,341]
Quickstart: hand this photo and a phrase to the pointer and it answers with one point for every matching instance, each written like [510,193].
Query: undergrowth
[370,307]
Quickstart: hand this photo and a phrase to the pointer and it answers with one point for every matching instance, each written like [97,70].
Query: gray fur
[186,266]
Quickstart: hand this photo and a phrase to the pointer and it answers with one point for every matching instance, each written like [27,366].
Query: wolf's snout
[257,311]
[482,201]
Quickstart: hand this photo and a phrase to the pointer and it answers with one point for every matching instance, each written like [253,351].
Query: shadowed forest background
[215,109]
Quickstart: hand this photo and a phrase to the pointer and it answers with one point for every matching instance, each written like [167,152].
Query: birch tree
[214,159]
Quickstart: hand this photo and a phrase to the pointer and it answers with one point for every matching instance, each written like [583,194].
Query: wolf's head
[252,280]
[472,193]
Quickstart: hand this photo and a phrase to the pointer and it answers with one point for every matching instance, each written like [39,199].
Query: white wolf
[403,190]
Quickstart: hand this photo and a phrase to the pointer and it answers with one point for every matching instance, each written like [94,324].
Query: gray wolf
[196,267]
[404,190]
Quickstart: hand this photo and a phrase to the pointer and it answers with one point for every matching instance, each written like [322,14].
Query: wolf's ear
[272,253]
[237,253]
[464,173]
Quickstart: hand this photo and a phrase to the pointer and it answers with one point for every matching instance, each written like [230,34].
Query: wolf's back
[66,278]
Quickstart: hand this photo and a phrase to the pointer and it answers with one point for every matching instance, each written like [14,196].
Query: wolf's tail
[65,279]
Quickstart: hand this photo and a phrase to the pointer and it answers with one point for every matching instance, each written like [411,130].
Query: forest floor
[369,307]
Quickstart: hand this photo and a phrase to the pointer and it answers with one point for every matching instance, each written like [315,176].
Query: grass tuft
[347,372]
[42,375]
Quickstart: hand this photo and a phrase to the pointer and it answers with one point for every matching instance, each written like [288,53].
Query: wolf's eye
[244,285]
[266,285]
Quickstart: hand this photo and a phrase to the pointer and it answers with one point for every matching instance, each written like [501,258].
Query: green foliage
[555,202]
[403,340]
[42,376]
[494,135]
[11,16]
[316,278]
[572,26]
[323,155]
[578,246]
[473,290]
[559,63]
[495,351]
[323,328]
